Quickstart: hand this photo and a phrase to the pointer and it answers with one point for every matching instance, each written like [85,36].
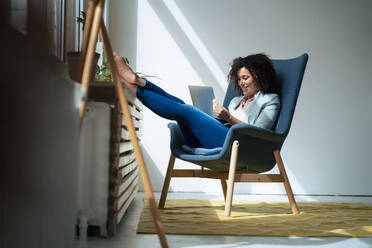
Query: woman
[253,76]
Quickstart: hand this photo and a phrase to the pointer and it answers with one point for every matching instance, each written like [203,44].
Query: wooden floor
[127,237]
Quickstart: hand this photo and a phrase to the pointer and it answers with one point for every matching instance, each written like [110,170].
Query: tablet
[202,98]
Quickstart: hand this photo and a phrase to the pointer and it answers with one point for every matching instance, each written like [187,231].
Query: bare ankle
[140,81]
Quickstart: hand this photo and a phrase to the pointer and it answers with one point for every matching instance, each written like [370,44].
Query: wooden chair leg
[287,185]
[230,184]
[88,60]
[132,133]
[224,188]
[167,179]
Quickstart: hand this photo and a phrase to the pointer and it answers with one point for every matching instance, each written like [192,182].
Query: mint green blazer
[263,110]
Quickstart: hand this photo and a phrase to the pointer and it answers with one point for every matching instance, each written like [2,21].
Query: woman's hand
[220,111]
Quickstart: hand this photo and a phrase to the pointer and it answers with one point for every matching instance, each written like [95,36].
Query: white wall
[191,42]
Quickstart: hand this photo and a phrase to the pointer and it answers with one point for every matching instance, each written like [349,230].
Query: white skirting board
[94,162]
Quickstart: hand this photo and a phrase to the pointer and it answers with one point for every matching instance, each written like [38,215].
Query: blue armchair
[247,150]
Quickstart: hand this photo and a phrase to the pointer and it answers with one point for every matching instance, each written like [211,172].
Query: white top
[241,113]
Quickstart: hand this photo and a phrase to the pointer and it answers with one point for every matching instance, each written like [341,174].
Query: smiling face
[247,83]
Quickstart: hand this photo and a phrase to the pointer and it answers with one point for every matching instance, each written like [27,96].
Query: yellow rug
[206,217]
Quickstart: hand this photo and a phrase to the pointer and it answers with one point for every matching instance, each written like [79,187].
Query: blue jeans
[198,128]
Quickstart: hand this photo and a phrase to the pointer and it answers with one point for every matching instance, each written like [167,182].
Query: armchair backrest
[290,73]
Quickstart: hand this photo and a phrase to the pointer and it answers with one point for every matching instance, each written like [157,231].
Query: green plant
[103,72]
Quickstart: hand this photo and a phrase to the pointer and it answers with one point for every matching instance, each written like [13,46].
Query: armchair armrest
[239,130]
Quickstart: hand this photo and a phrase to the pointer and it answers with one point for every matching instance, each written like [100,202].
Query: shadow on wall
[191,46]
[156,176]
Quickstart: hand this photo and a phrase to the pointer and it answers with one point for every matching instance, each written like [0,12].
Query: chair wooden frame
[232,177]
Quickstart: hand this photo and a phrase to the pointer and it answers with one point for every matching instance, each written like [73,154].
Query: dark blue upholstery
[256,145]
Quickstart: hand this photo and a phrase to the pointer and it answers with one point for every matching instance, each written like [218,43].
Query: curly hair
[262,70]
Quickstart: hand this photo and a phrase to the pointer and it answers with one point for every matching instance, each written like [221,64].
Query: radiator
[94,168]
[108,175]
